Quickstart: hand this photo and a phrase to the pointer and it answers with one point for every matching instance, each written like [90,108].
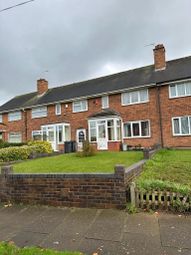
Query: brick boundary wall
[71,190]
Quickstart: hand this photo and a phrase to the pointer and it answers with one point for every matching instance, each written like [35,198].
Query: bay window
[108,128]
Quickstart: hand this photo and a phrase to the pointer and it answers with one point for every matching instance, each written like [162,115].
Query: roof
[146,76]
[104,113]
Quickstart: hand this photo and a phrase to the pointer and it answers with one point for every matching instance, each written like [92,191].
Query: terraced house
[146,106]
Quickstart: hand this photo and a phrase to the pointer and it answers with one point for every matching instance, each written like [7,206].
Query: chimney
[42,86]
[159,57]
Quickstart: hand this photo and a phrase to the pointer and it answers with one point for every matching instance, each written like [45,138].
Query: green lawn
[102,162]
[11,249]
[169,169]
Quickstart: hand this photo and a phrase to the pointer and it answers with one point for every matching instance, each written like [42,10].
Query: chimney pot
[42,86]
[159,57]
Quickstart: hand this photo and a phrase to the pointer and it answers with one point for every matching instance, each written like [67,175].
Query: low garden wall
[72,190]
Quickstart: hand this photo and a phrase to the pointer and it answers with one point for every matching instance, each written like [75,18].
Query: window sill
[145,102]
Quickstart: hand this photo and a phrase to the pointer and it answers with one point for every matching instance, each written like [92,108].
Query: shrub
[4,144]
[40,146]
[87,150]
[15,153]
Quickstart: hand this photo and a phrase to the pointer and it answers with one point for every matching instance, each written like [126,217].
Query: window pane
[93,135]
[172,90]
[110,123]
[136,131]
[126,98]
[188,88]
[105,102]
[143,95]
[134,97]
[181,89]
[67,133]
[1,118]
[111,134]
[184,125]
[127,130]
[92,124]
[15,137]
[145,128]
[176,126]
[118,133]
[58,109]
[101,131]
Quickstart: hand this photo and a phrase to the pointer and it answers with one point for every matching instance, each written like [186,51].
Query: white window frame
[81,104]
[58,109]
[105,102]
[180,125]
[1,118]
[37,112]
[14,116]
[115,126]
[139,100]
[140,130]
[176,89]
[15,134]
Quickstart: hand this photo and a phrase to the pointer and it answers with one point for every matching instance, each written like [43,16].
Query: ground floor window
[136,129]
[109,129]
[182,125]
[15,137]
[1,136]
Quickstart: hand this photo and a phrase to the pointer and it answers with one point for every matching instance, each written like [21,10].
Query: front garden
[165,182]
[102,162]
[168,169]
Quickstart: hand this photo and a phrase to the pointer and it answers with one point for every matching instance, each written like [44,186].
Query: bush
[15,153]
[87,150]
[4,144]
[40,146]
[24,152]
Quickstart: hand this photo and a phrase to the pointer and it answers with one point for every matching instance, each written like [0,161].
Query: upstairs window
[58,109]
[80,106]
[1,118]
[180,89]
[105,102]
[39,112]
[13,116]
[136,129]
[182,125]
[135,97]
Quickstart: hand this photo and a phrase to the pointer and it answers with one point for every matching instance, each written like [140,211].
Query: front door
[102,141]
[80,137]
[51,136]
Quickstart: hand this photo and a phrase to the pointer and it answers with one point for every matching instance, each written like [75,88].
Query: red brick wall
[72,190]
[145,111]
[173,107]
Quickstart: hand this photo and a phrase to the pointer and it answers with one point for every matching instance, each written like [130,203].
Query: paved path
[107,232]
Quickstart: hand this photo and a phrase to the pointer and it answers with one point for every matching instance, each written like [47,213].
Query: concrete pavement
[105,232]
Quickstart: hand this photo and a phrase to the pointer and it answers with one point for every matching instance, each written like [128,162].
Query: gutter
[160,115]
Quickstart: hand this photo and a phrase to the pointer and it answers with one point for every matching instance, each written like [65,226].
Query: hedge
[24,152]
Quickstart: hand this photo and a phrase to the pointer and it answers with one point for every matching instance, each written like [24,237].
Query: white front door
[102,141]
[80,137]
[51,137]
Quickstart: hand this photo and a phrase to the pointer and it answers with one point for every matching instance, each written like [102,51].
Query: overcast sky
[72,40]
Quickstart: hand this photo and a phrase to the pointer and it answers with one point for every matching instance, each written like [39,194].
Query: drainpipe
[25,124]
[160,115]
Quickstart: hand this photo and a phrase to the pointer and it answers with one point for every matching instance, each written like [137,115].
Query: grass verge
[11,249]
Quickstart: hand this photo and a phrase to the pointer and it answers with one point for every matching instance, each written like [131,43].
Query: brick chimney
[42,86]
[159,57]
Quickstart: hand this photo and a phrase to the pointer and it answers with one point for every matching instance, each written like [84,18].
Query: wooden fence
[157,199]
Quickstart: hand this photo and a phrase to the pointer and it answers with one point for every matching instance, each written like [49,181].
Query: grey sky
[81,39]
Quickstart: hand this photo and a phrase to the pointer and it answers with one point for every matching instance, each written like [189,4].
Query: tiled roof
[175,70]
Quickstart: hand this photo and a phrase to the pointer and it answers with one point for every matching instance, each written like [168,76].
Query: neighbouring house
[146,106]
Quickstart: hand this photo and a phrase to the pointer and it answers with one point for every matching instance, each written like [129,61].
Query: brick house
[146,106]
